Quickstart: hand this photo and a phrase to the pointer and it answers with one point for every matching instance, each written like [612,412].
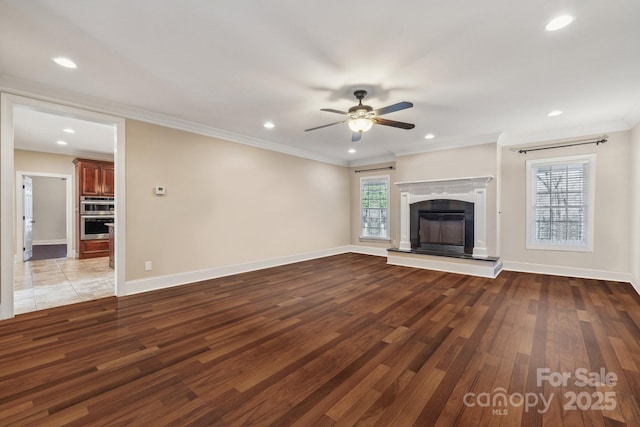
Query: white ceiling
[41,131]
[476,71]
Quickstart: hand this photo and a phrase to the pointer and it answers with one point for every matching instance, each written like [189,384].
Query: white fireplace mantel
[471,189]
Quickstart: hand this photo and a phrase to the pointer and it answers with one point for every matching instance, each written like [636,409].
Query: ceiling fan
[363,117]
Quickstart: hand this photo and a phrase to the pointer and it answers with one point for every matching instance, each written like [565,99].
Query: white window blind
[374,207]
[560,203]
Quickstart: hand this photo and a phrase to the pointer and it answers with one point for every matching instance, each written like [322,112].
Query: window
[560,194]
[374,207]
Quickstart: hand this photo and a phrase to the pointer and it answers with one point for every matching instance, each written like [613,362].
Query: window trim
[371,178]
[590,159]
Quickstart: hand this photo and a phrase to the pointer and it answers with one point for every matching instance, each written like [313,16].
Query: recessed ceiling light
[269,125]
[559,22]
[64,62]
[68,130]
[429,136]
[60,142]
[352,150]
[554,113]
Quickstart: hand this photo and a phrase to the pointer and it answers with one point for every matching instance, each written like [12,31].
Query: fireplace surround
[447,199]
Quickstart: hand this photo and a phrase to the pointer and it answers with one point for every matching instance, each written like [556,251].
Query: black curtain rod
[374,169]
[597,142]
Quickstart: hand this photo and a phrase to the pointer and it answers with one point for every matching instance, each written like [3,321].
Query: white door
[27,186]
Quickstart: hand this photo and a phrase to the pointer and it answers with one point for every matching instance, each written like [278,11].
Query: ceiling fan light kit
[360,125]
[363,117]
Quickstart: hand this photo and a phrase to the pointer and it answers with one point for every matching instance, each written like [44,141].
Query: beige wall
[634,165]
[478,160]
[612,208]
[226,203]
[33,161]
[49,209]
[394,205]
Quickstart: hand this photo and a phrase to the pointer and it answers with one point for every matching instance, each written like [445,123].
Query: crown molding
[386,158]
[29,89]
[448,144]
[75,153]
[443,144]
[521,138]
[633,116]
[42,92]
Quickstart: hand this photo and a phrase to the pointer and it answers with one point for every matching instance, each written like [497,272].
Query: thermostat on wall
[160,190]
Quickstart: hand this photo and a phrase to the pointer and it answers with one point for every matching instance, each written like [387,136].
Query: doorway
[50,219]
[10,241]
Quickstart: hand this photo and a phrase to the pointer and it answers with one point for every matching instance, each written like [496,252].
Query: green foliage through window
[374,207]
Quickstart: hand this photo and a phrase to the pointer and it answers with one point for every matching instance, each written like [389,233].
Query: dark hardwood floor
[340,340]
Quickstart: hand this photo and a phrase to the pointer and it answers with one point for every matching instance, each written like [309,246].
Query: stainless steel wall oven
[95,214]
[97,205]
[93,227]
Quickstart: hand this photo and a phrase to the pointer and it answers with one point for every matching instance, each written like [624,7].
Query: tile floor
[53,282]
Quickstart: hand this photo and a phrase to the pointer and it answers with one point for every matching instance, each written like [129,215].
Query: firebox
[442,226]
[441,231]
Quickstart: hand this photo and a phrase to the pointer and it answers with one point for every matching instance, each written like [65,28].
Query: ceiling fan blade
[393,123]
[324,126]
[331,110]
[355,136]
[391,108]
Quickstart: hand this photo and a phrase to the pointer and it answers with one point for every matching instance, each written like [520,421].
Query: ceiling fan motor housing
[360,111]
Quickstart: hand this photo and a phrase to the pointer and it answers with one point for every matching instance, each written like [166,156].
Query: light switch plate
[160,190]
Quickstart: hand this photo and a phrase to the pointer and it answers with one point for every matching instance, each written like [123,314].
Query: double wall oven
[95,214]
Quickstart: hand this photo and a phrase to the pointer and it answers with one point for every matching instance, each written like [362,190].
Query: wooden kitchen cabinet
[94,248]
[108,173]
[95,178]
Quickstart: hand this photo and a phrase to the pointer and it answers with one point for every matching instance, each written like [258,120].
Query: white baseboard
[478,268]
[636,284]
[50,242]
[471,267]
[368,250]
[555,270]
[160,282]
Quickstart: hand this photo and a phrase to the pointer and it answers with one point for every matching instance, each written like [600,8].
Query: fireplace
[442,226]
[446,200]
